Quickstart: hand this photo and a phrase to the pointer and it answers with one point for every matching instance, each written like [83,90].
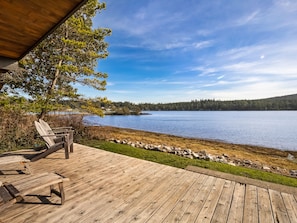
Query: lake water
[276,129]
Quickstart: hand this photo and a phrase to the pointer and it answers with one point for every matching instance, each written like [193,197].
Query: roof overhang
[24,24]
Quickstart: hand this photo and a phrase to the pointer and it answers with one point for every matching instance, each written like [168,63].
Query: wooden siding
[108,187]
[24,23]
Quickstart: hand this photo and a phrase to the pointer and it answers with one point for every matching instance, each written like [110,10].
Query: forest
[288,102]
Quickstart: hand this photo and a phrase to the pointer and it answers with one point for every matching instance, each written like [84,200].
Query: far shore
[267,156]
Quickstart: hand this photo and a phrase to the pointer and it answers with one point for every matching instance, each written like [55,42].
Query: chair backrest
[46,127]
[49,140]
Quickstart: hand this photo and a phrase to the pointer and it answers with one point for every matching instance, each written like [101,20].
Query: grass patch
[181,162]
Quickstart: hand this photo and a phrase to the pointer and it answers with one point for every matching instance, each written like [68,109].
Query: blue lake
[276,129]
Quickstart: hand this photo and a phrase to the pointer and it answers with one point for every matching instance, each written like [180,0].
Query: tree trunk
[1,85]
[1,80]
[42,113]
[51,88]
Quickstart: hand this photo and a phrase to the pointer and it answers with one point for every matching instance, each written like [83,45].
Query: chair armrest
[57,135]
[63,131]
[57,128]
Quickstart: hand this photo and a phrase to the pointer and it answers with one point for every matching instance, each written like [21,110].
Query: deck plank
[278,207]
[250,214]
[180,208]
[237,204]
[224,203]
[167,194]
[197,203]
[291,206]
[264,206]
[211,202]
[108,187]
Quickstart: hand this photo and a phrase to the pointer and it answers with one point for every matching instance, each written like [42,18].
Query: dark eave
[24,24]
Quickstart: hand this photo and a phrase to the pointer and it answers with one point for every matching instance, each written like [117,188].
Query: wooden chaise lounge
[16,192]
[4,160]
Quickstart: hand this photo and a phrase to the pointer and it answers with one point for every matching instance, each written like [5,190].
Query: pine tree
[68,56]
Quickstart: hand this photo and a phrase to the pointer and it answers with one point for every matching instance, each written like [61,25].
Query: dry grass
[265,156]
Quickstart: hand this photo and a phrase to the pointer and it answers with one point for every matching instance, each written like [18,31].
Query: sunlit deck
[107,187]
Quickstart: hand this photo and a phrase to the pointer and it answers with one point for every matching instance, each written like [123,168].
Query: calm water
[276,129]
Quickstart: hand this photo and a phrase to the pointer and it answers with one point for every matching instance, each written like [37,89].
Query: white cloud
[203,44]
[213,50]
[247,19]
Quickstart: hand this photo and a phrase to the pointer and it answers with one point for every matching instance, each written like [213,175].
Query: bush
[16,130]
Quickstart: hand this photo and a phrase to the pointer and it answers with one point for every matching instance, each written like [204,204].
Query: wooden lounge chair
[16,192]
[54,142]
[57,131]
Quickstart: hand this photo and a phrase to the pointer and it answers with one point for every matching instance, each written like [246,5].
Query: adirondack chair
[53,142]
[57,131]
[16,192]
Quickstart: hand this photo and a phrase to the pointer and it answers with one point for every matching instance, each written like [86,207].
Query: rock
[247,162]
[195,155]
[209,157]
[203,152]
[188,156]
[293,173]
[225,155]
[221,159]
[290,157]
[155,148]
[231,163]
[188,151]
[265,168]
[167,149]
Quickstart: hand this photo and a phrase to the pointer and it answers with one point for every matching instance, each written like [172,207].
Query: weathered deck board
[291,206]
[278,207]
[237,206]
[211,202]
[264,203]
[107,187]
[224,203]
[251,204]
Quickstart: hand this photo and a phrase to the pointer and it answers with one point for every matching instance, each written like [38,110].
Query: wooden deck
[107,187]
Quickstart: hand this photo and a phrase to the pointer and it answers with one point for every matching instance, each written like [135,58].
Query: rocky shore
[262,158]
[203,155]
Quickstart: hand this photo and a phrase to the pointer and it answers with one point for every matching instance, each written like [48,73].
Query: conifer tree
[66,57]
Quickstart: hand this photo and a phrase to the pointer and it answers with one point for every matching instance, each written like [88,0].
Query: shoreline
[271,159]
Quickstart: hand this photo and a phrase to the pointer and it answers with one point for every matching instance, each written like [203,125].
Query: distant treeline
[277,103]
[125,108]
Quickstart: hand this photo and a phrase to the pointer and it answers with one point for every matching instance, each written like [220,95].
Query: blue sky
[181,50]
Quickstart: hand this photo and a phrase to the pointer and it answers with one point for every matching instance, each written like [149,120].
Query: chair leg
[66,147]
[52,190]
[59,193]
[62,193]
[66,152]
[71,147]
